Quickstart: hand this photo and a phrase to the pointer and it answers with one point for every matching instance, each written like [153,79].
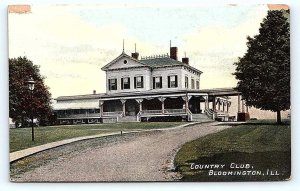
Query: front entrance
[194,104]
[131,108]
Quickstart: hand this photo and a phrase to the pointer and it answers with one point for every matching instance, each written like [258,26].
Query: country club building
[154,88]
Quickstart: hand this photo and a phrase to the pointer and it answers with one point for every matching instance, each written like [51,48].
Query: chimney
[94,91]
[185,60]
[173,53]
[135,55]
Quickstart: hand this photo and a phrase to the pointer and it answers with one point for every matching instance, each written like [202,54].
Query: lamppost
[30,84]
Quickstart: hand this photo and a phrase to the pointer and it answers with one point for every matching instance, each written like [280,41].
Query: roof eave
[105,68]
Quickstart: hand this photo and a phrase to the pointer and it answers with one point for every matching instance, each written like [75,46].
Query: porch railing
[151,112]
[166,111]
[190,115]
[175,110]
[210,113]
[83,115]
[215,114]
[114,113]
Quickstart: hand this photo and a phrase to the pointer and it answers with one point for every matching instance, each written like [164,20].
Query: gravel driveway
[145,156]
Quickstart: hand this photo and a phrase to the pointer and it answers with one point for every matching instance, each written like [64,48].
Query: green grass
[20,138]
[263,144]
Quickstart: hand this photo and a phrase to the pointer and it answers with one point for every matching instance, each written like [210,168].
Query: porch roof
[76,105]
[153,93]
[78,97]
[222,92]
[210,92]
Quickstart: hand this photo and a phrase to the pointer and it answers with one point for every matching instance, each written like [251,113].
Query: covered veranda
[184,104]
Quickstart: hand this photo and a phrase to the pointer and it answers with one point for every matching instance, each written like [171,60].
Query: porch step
[128,119]
[201,117]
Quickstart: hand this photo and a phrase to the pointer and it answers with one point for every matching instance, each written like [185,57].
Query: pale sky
[72,42]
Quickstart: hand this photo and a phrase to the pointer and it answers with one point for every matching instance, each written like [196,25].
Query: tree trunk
[22,122]
[278,117]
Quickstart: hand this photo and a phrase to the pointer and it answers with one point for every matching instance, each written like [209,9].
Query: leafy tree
[264,71]
[23,104]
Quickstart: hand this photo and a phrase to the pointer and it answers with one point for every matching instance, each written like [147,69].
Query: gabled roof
[152,62]
[123,55]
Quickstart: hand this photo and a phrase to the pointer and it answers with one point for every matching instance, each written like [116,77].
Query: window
[139,82]
[157,82]
[197,85]
[172,81]
[112,84]
[186,82]
[193,84]
[125,83]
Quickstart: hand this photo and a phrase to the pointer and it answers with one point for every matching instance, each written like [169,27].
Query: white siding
[118,74]
[164,73]
[190,75]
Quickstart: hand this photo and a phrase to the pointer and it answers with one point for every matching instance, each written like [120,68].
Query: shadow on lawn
[259,161]
[256,123]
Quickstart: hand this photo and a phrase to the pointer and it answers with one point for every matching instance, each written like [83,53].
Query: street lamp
[30,84]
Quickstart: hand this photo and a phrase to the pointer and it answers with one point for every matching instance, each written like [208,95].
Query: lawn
[262,144]
[20,138]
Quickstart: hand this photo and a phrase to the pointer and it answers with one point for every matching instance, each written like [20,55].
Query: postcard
[140,92]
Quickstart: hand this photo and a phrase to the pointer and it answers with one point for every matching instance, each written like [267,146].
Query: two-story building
[154,88]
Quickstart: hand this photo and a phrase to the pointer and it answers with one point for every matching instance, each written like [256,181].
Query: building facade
[154,88]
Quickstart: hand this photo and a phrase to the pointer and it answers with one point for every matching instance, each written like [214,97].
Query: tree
[21,103]
[264,71]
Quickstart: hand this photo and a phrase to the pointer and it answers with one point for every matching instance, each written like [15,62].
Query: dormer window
[125,83]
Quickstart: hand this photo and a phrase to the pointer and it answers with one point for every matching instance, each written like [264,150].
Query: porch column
[200,105]
[223,105]
[123,101]
[228,103]
[206,103]
[101,107]
[219,104]
[162,100]
[243,106]
[239,103]
[186,99]
[214,104]
[140,104]
[247,108]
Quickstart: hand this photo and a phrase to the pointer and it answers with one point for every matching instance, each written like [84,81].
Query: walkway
[144,156]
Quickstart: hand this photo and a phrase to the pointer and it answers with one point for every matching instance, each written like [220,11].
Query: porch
[184,107]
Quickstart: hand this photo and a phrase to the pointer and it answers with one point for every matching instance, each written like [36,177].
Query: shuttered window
[139,82]
[193,84]
[112,84]
[186,82]
[172,81]
[125,83]
[157,82]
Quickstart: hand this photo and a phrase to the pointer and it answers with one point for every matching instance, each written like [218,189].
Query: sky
[71,43]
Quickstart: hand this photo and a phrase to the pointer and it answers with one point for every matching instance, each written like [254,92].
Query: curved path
[144,156]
